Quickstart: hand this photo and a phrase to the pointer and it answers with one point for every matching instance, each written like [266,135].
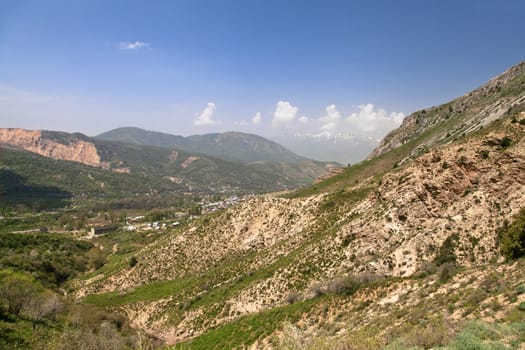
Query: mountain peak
[231,145]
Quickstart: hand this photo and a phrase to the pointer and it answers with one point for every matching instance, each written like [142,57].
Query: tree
[512,238]
[40,306]
[16,290]
[96,258]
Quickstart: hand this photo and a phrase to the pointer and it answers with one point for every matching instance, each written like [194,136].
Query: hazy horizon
[334,71]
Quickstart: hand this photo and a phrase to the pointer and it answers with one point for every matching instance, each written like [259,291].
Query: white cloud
[284,113]
[331,119]
[303,119]
[241,123]
[256,120]
[206,117]
[133,45]
[329,126]
[371,120]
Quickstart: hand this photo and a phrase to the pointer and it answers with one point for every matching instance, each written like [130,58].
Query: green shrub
[520,289]
[522,306]
[16,290]
[484,154]
[446,271]
[96,258]
[437,332]
[479,336]
[446,253]
[505,142]
[133,261]
[51,258]
[512,238]
[346,285]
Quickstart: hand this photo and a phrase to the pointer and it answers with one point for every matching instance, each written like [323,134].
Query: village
[141,222]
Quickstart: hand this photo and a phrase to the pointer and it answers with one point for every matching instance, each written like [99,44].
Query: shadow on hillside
[14,190]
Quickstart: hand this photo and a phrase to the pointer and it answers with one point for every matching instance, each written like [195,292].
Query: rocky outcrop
[443,124]
[462,192]
[76,150]
[188,161]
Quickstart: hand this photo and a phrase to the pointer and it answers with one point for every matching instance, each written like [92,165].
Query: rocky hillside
[390,242]
[445,123]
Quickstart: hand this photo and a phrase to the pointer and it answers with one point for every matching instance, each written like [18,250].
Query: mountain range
[231,146]
[136,161]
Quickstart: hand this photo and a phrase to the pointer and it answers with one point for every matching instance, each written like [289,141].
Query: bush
[133,261]
[343,285]
[484,154]
[346,285]
[446,271]
[427,268]
[437,332]
[17,290]
[446,253]
[478,335]
[317,289]
[292,298]
[505,142]
[512,238]
[96,258]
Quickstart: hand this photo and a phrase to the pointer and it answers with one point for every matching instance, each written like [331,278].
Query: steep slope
[502,97]
[230,146]
[437,125]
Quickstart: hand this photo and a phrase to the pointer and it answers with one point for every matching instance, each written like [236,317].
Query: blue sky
[268,67]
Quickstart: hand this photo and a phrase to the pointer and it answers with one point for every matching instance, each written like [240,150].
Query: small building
[95,231]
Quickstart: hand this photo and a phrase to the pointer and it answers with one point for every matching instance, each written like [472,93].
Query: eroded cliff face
[461,192]
[76,150]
